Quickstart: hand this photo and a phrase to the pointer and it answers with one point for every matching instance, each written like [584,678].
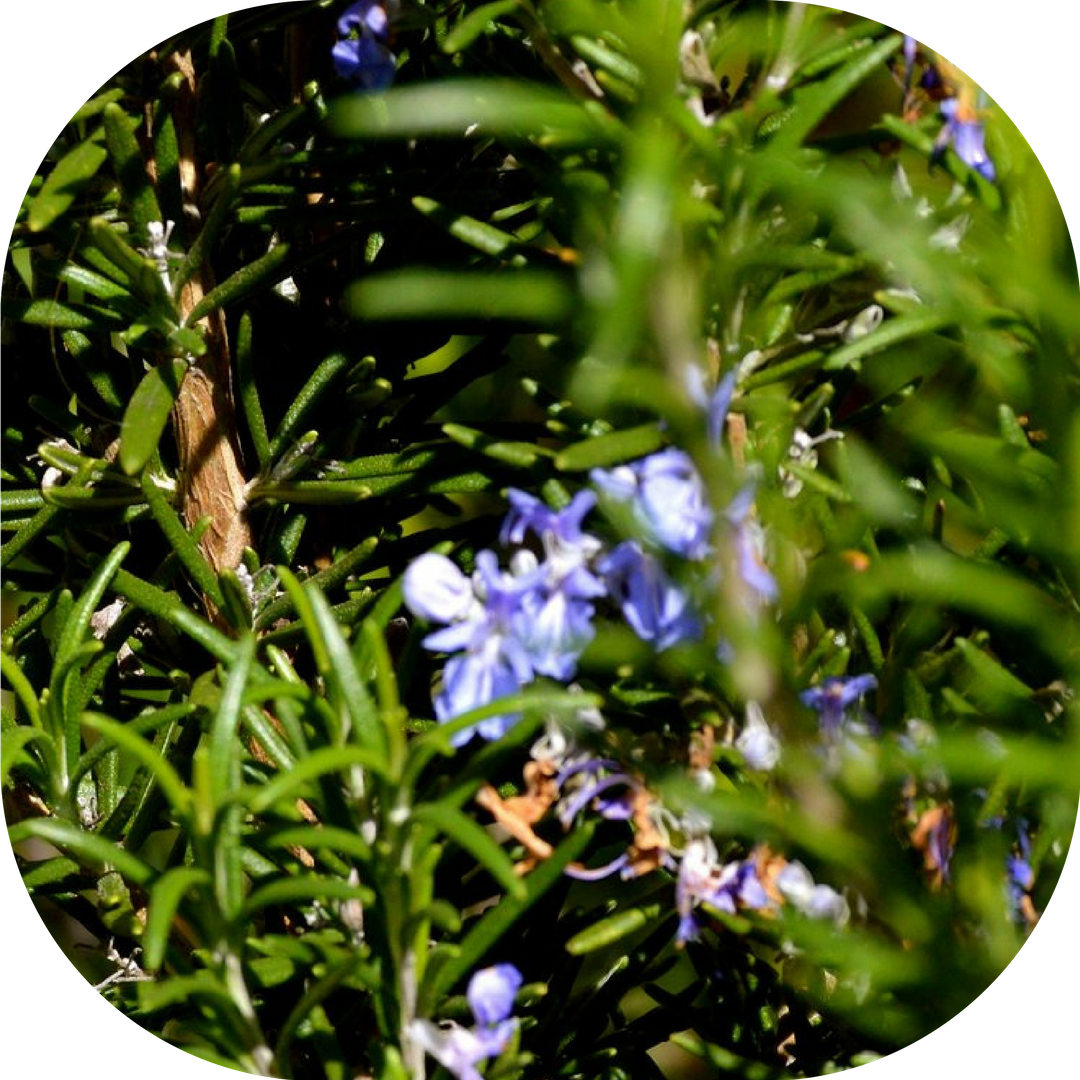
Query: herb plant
[540,539]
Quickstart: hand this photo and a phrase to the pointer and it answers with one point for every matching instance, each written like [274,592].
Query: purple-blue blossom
[361,53]
[910,48]
[490,661]
[657,609]
[966,136]
[939,844]
[702,879]
[799,889]
[666,497]
[555,622]
[1020,877]
[558,529]
[749,540]
[491,993]
[714,404]
[599,779]
[459,1049]
[835,695]
[436,590]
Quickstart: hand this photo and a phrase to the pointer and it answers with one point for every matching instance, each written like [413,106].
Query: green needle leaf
[148,412]
[165,899]
[476,23]
[66,180]
[475,840]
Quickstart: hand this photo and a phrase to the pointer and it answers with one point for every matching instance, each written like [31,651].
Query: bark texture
[211,476]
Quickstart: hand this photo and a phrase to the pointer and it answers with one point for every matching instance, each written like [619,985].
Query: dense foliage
[540,540]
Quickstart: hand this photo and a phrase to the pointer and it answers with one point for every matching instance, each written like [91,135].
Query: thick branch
[204,417]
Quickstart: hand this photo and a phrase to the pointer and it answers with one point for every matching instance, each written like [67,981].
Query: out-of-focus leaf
[891,332]
[992,686]
[469,108]
[531,296]
[814,103]
[476,23]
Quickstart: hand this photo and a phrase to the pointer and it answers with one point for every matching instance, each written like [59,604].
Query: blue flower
[933,834]
[556,624]
[459,1049]
[747,535]
[798,888]
[555,621]
[702,879]
[715,404]
[436,590]
[491,993]
[1020,877]
[967,137]
[655,607]
[491,661]
[477,678]
[593,786]
[556,528]
[361,55]
[833,697]
[749,540]
[667,499]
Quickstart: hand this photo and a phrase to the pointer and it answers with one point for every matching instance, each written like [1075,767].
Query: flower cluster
[567,781]
[762,881]
[503,628]
[459,1049]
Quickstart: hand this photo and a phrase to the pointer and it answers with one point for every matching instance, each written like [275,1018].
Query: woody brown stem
[211,476]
